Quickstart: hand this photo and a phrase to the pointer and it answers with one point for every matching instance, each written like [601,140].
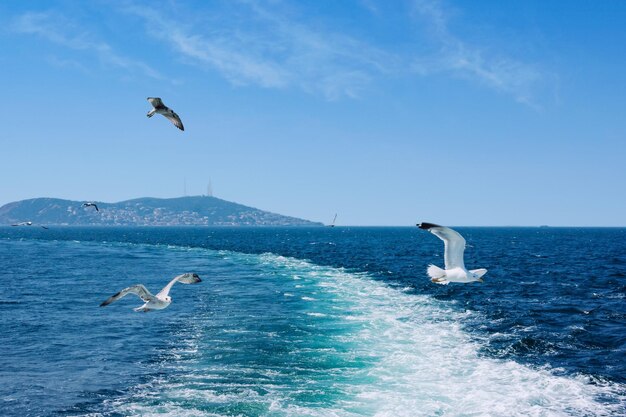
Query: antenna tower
[209,189]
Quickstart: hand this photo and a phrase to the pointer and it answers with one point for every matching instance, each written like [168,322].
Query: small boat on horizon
[333,223]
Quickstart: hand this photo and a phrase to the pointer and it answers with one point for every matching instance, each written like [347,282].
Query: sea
[312,321]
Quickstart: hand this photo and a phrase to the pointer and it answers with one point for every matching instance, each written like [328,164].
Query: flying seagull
[453,256]
[27,224]
[161,108]
[153,302]
[23,224]
[90,204]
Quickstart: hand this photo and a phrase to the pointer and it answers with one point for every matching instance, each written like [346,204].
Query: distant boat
[544,225]
[333,223]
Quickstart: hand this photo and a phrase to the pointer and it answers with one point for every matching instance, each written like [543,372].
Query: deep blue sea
[326,322]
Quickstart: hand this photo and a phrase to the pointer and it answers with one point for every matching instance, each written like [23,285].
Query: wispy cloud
[516,78]
[61,31]
[265,46]
[274,44]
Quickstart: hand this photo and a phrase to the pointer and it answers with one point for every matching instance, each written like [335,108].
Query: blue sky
[386,112]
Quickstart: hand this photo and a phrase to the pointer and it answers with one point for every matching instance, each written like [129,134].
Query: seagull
[161,108]
[90,204]
[153,302]
[28,224]
[453,255]
[23,224]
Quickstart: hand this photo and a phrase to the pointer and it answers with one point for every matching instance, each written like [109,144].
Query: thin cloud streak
[278,53]
[270,45]
[499,73]
[238,67]
[60,31]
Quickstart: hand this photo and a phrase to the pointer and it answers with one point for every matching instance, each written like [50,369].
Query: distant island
[181,211]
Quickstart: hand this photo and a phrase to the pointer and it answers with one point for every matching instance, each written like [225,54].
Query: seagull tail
[435,272]
[437,275]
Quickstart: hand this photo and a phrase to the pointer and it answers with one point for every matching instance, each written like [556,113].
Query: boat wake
[285,337]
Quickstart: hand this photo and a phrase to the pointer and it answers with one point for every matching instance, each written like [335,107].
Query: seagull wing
[166,290]
[139,290]
[187,278]
[454,244]
[173,117]
[156,102]
[96,207]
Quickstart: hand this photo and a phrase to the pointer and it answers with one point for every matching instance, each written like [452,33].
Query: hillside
[198,210]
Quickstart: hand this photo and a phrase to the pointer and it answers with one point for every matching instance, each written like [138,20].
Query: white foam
[419,362]
[314,314]
[426,361]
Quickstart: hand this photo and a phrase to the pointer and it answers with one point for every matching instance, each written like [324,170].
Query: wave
[363,348]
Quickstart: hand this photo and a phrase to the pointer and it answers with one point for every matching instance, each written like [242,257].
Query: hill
[197,210]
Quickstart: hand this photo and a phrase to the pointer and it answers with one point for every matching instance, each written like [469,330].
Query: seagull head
[189,278]
[477,274]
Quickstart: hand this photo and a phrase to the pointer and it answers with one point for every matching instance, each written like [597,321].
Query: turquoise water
[312,322]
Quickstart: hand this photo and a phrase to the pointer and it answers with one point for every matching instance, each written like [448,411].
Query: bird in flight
[28,224]
[153,302]
[90,204]
[454,247]
[162,109]
[23,224]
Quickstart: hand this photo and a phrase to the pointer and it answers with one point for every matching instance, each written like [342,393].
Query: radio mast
[209,189]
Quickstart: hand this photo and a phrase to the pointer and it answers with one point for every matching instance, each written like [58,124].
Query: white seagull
[23,224]
[453,256]
[161,108]
[90,204]
[153,302]
[27,224]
